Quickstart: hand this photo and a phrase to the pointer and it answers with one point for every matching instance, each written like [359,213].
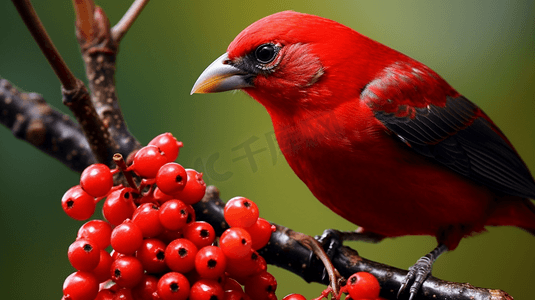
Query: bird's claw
[331,241]
[403,286]
[419,272]
[317,249]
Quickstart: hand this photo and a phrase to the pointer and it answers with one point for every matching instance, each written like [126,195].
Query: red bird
[379,138]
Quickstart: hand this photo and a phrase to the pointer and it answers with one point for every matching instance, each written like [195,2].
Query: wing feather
[456,133]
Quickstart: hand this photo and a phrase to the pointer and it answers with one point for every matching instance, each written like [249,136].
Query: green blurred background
[485,49]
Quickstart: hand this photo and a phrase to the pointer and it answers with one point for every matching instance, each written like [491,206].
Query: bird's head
[289,61]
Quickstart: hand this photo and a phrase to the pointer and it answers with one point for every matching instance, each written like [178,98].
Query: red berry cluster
[159,250]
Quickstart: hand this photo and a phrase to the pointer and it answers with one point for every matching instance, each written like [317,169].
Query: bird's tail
[531,207]
[513,212]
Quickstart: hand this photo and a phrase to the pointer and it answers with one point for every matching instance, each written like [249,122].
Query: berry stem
[146,182]
[325,293]
[119,161]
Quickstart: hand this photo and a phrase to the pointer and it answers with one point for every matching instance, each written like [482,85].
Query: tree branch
[99,51]
[79,102]
[120,29]
[30,118]
[99,115]
[75,95]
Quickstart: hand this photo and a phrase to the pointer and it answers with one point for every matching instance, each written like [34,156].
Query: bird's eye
[266,53]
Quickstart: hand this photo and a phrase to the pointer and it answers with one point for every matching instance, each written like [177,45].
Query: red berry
[243,267]
[168,144]
[119,206]
[122,293]
[363,285]
[147,218]
[191,214]
[161,196]
[173,214]
[168,236]
[80,286]
[115,255]
[210,262]
[145,289]
[259,286]
[193,277]
[194,190]
[98,231]
[232,284]
[84,255]
[126,271]
[235,243]
[151,254]
[260,233]
[105,294]
[173,286]
[206,289]
[102,271]
[180,255]
[171,178]
[294,297]
[200,233]
[126,238]
[235,295]
[241,212]
[147,161]
[97,180]
[78,204]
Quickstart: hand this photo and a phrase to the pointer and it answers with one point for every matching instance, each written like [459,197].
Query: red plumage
[378,137]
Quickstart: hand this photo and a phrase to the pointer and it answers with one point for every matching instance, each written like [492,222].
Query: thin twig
[36,28]
[120,29]
[84,17]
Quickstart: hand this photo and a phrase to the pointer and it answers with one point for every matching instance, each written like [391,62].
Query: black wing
[458,136]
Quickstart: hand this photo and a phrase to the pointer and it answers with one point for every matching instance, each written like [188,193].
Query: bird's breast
[355,168]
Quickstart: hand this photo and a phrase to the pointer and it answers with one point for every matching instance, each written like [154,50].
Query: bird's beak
[220,76]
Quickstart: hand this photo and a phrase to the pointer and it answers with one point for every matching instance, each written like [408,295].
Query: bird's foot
[331,240]
[420,271]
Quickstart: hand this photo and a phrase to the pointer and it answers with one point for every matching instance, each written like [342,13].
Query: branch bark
[75,95]
[30,118]
[99,52]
